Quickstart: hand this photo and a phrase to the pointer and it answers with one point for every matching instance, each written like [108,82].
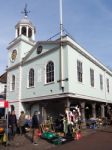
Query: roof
[3,78]
[67,40]
[25,20]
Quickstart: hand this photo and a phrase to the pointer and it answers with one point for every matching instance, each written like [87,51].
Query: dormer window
[39,49]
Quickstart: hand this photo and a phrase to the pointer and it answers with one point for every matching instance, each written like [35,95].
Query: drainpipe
[105,86]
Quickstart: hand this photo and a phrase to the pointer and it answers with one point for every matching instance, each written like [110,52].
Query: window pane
[108,85]
[92,77]
[31,77]
[79,71]
[101,82]
[50,72]
[13,82]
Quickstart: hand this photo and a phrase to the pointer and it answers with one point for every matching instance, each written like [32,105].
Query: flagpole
[61,49]
[61,19]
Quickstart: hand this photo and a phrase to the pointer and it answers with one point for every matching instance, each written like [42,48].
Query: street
[95,140]
[101,140]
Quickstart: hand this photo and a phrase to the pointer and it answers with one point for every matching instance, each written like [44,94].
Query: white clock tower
[23,42]
[17,50]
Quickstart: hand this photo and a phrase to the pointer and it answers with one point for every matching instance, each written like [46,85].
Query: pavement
[24,142]
[99,140]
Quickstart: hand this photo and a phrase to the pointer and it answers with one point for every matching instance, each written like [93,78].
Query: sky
[89,22]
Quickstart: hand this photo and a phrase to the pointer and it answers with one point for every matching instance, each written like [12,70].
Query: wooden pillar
[68,103]
[82,104]
[102,111]
[94,110]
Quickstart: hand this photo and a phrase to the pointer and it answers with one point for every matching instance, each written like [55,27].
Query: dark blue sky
[88,21]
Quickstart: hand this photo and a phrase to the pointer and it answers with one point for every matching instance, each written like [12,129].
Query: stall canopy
[4,104]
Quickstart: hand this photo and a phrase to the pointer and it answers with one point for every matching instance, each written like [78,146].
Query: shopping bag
[5,138]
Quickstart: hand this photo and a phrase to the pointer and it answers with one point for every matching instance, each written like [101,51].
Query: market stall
[65,129]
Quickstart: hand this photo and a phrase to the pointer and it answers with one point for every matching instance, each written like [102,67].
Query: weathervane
[25,11]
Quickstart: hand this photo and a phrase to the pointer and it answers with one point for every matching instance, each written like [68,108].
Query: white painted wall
[2,86]
[84,89]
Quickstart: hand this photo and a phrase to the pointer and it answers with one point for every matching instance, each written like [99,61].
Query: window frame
[13,83]
[49,73]
[79,71]
[108,86]
[92,81]
[31,78]
[101,81]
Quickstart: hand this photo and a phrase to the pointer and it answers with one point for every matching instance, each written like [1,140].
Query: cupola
[25,26]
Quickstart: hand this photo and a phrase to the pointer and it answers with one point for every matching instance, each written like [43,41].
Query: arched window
[29,33]
[24,31]
[50,72]
[31,77]
[13,82]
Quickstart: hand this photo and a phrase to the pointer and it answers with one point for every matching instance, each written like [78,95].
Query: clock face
[13,55]
[39,49]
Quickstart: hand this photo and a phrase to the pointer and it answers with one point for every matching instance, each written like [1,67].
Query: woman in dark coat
[12,123]
[35,126]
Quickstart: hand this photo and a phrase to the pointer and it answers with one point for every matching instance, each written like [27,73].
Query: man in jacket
[21,123]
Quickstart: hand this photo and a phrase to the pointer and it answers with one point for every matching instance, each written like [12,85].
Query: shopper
[12,125]
[35,126]
[21,123]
